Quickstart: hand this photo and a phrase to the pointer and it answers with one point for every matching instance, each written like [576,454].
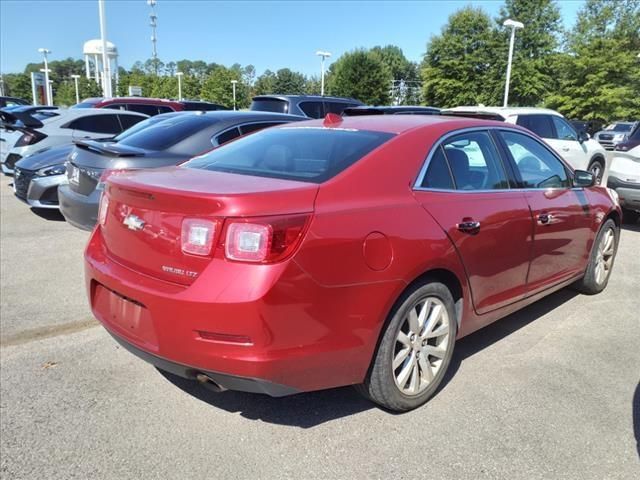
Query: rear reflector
[197,236]
[102,211]
[224,337]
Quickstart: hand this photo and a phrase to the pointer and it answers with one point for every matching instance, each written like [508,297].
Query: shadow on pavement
[308,410]
[49,214]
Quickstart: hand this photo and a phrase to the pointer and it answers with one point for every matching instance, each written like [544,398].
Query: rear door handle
[470,226]
[545,218]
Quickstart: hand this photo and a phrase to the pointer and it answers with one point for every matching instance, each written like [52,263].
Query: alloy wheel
[596,170]
[604,256]
[421,345]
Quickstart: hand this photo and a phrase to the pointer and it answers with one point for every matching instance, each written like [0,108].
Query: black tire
[381,385]
[630,216]
[597,168]
[590,284]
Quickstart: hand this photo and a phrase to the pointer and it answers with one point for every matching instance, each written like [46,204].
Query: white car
[624,176]
[577,148]
[26,130]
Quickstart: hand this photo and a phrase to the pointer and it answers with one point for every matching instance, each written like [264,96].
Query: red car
[148,106]
[345,251]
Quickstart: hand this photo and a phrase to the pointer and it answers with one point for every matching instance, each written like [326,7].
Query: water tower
[92,52]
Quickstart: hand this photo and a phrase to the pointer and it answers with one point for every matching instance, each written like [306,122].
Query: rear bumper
[81,211]
[628,192]
[271,329]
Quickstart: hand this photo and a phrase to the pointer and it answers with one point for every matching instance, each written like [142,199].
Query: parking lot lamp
[233,83]
[45,52]
[322,55]
[179,75]
[75,80]
[513,24]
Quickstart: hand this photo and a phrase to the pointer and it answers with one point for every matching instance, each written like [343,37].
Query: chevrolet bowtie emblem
[133,222]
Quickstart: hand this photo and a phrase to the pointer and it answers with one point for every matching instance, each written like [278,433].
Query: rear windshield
[164,135]
[140,126]
[44,115]
[306,154]
[270,105]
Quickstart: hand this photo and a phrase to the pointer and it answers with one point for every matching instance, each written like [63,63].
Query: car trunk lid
[146,209]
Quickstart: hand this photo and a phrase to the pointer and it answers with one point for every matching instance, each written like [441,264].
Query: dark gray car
[311,106]
[165,143]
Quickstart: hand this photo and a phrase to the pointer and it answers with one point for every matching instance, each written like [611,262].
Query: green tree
[18,85]
[600,76]
[532,73]
[288,82]
[360,74]
[313,85]
[456,70]
[218,88]
[265,84]
[405,75]
[65,94]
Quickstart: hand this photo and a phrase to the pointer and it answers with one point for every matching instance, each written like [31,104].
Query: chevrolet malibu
[343,251]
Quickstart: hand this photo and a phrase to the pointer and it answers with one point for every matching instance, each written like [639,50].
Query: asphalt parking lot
[545,393]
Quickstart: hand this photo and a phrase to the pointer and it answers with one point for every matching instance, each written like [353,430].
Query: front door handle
[469,226]
[545,218]
[565,149]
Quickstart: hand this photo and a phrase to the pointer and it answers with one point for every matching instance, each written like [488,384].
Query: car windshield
[166,134]
[636,134]
[269,105]
[620,127]
[309,154]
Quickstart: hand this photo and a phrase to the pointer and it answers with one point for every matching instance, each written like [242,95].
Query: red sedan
[344,251]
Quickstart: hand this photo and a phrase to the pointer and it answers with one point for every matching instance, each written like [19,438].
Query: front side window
[541,125]
[537,166]
[474,162]
[294,153]
[564,131]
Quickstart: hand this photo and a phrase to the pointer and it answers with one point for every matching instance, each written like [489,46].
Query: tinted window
[564,131]
[254,127]
[312,109]
[438,174]
[167,133]
[270,105]
[636,134]
[116,106]
[537,166]
[337,107]
[474,162]
[539,124]
[305,154]
[146,122]
[128,121]
[97,124]
[84,105]
[202,106]
[140,108]
[227,136]
[621,127]
[164,109]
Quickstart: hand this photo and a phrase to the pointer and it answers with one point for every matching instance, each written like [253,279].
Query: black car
[311,106]
[168,142]
[390,110]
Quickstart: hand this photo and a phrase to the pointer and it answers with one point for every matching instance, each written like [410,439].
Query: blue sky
[267,34]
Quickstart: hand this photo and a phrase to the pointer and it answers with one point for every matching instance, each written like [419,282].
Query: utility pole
[106,67]
[153,22]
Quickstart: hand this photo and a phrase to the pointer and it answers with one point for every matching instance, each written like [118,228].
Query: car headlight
[50,171]
[619,137]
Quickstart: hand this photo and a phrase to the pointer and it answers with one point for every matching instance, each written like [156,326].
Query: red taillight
[105,175]
[198,235]
[102,211]
[30,138]
[265,239]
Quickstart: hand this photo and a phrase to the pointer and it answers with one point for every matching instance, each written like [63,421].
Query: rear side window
[227,136]
[539,124]
[254,127]
[150,110]
[474,162]
[270,105]
[304,154]
[166,134]
[97,124]
[116,106]
[312,109]
[537,166]
[128,121]
[438,174]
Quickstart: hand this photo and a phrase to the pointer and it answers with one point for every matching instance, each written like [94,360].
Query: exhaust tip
[209,383]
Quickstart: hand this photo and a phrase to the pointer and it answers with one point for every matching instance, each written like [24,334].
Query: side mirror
[583,136]
[583,179]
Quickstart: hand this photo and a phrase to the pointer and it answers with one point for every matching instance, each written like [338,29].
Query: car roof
[306,97]
[398,124]
[504,112]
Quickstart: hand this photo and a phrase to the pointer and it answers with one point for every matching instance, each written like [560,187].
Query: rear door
[562,217]
[467,190]
[566,143]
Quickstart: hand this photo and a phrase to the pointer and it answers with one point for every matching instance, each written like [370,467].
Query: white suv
[624,176]
[26,130]
[577,148]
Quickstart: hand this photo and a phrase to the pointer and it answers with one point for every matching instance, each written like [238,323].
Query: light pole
[106,68]
[75,80]
[179,75]
[513,24]
[47,93]
[233,83]
[322,55]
